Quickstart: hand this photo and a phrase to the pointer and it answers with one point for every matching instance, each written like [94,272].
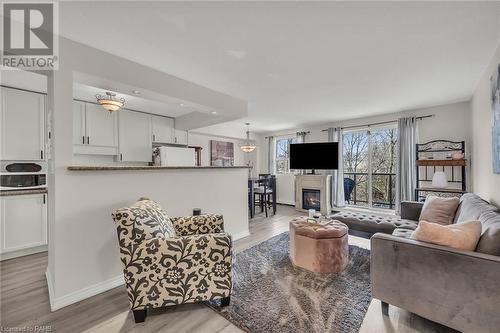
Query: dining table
[252,184]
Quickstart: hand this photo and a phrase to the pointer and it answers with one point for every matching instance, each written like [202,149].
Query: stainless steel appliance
[24,175]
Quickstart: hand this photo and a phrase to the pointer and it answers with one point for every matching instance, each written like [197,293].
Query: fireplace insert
[311,199]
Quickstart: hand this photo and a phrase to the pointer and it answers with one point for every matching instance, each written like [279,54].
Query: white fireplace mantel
[314,182]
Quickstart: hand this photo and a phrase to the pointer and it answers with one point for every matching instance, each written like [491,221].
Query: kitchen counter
[107,168]
[22,192]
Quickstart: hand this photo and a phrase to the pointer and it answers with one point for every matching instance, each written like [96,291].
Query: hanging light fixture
[248,147]
[110,102]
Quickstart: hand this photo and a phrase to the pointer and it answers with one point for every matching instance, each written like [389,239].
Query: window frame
[277,159]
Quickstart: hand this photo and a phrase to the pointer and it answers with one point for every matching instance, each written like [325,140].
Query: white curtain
[338,200]
[301,137]
[271,154]
[406,170]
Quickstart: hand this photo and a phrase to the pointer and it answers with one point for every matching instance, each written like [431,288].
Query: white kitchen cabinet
[79,136]
[135,139]
[23,223]
[163,129]
[181,137]
[95,131]
[22,115]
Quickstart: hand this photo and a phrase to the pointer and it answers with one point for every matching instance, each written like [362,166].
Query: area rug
[271,295]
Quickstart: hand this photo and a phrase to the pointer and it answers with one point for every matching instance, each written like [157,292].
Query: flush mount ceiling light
[110,102]
[248,147]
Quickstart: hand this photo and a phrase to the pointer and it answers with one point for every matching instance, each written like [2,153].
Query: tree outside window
[283,154]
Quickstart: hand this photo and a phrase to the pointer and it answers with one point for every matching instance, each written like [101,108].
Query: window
[282,154]
[370,167]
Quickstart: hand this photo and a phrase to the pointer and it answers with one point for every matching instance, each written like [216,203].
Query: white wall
[203,140]
[484,182]
[83,252]
[450,122]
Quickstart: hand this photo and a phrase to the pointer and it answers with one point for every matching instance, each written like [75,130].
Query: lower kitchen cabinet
[23,224]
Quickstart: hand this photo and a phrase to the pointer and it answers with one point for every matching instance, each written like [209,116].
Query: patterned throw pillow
[142,221]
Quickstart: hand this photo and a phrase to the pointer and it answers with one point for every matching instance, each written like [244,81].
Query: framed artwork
[495,120]
[221,153]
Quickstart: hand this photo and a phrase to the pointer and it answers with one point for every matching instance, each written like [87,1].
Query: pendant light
[248,147]
[110,102]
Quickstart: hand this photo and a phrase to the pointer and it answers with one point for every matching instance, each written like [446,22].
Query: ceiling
[133,102]
[302,63]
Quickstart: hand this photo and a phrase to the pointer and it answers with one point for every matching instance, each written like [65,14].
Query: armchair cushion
[168,271]
[142,221]
[199,224]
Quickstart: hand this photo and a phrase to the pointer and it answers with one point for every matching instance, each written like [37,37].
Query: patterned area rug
[271,295]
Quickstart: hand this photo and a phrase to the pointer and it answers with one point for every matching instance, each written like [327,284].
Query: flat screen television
[314,156]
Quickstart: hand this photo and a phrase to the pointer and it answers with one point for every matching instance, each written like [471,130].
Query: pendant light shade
[110,102]
[248,147]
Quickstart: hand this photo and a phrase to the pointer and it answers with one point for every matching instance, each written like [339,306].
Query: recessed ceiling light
[182,104]
[213,112]
[136,92]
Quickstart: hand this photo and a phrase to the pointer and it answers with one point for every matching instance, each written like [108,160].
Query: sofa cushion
[490,238]
[142,221]
[402,232]
[372,223]
[439,210]
[463,236]
[471,207]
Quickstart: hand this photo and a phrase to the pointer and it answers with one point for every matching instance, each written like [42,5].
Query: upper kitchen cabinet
[134,136]
[163,129]
[181,137]
[95,131]
[23,125]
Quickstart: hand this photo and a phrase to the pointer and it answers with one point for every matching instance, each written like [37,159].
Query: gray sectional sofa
[459,289]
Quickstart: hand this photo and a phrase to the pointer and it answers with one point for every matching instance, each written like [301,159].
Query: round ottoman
[319,247]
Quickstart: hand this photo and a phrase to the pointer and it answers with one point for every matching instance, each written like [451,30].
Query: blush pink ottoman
[319,247]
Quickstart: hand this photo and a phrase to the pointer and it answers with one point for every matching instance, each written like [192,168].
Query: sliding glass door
[370,166]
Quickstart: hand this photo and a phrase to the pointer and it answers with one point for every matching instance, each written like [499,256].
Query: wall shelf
[426,167]
[432,162]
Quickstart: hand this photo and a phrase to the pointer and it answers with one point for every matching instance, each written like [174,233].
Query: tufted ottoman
[319,247]
[373,223]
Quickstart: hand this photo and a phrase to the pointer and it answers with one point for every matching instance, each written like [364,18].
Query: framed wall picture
[495,120]
[221,153]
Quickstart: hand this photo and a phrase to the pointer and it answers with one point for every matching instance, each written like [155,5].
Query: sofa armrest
[410,210]
[167,271]
[198,224]
[456,288]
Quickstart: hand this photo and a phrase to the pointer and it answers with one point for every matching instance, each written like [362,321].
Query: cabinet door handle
[154,137]
[43,199]
[83,139]
[121,157]
[88,140]
[41,154]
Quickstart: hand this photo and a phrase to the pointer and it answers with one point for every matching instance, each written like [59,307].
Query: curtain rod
[286,134]
[379,123]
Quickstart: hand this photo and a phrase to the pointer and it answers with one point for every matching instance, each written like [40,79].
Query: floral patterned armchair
[169,261]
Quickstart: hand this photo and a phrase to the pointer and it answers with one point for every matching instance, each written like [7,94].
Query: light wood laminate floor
[25,302]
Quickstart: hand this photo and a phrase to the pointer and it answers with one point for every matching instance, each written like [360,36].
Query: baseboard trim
[50,288]
[79,295]
[23,252]
[241,235]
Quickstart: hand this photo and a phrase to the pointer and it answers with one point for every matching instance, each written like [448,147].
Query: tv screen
[317,156]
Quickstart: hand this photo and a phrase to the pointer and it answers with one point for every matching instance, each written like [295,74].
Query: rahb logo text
[30,35]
